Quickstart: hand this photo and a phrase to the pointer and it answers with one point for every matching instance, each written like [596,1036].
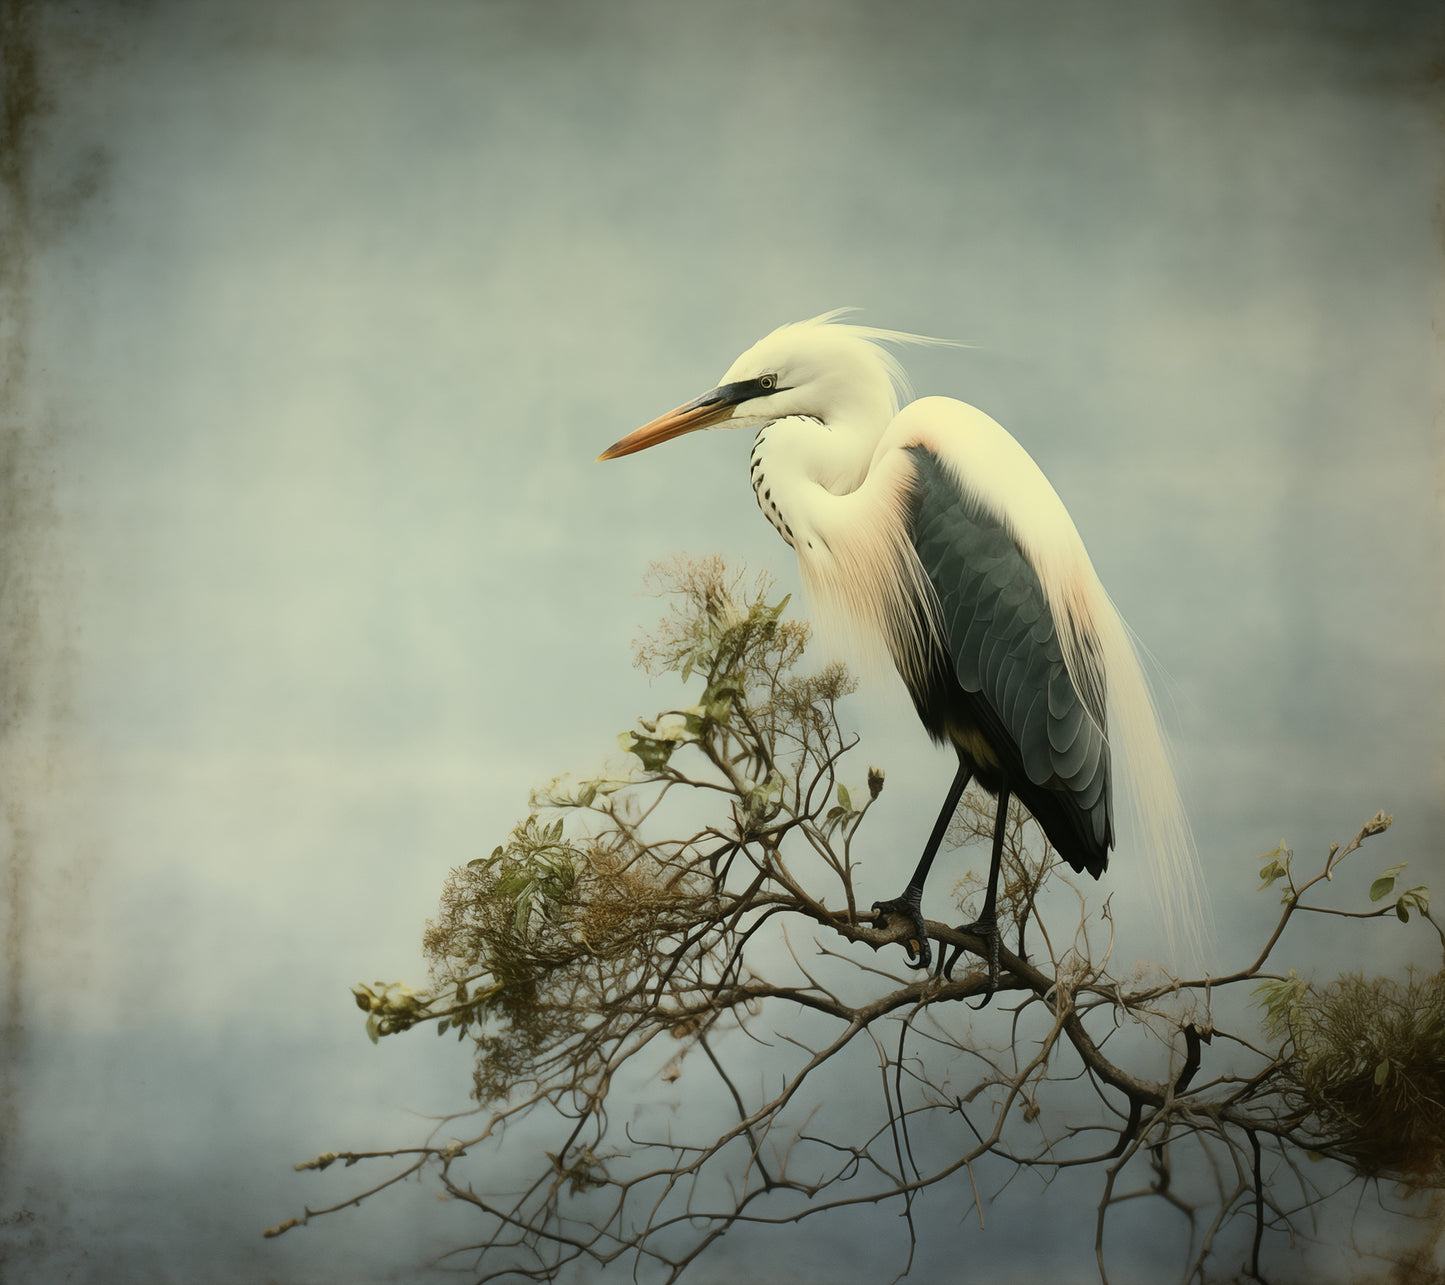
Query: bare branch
[594,951]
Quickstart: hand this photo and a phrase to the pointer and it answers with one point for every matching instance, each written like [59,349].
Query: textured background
[315,316]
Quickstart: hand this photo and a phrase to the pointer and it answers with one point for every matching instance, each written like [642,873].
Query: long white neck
[793,458]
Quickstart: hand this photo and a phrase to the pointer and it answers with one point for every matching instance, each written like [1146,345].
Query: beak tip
[703,413]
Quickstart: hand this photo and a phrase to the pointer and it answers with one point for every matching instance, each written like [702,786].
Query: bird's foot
[909,906]
[988,930]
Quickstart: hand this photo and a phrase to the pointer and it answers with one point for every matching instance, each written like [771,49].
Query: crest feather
[875,336]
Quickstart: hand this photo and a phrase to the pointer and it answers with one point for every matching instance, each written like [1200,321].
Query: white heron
[932,530]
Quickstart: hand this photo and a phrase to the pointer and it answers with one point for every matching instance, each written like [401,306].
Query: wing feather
[1006,662]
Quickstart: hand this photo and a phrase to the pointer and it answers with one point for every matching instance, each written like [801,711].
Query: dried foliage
[681,934]
[1368,1065]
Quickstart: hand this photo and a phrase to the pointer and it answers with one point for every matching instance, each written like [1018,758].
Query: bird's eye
[768,382]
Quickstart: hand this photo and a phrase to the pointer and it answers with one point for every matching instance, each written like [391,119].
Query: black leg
[910,903]
[986,925]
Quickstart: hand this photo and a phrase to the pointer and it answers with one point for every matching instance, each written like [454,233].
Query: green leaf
[654,753]
[1412,899]
[1270,873]
[843,800]
[760,795]
[1382,1072]
[1278,996]
[717,701]
[1385,884]
[479,862]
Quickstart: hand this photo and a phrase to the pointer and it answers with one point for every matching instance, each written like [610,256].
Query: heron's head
[821,368]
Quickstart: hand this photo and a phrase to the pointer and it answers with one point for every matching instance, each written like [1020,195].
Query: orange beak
[709,409]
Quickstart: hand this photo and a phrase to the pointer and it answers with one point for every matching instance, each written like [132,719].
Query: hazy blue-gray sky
[322,313]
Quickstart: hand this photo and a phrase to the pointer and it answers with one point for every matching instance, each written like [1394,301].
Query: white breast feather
[859,568]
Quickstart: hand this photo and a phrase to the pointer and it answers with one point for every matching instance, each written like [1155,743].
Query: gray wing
[1002,645]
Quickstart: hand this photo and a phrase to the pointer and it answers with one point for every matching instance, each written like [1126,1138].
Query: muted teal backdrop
[327,309]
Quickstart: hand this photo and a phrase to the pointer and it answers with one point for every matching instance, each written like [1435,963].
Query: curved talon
[950,959]
[909,907]
[988,930]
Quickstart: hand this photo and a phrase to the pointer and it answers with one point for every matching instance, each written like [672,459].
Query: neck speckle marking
[764,493]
